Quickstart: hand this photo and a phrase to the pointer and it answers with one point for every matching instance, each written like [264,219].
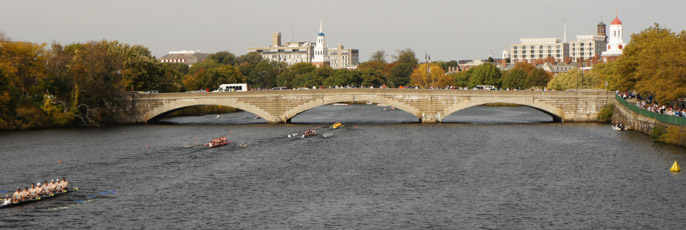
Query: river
[483,168]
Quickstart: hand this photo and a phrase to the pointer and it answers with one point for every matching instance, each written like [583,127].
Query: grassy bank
[669,135]
[502,104]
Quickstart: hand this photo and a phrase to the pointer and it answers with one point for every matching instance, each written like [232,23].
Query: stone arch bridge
[428,106]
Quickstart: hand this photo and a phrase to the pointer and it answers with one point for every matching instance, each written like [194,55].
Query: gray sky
[447,30]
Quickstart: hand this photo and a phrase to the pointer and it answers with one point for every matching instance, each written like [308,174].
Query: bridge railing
[660,117]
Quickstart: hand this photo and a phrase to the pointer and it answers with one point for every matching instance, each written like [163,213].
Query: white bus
[232,87]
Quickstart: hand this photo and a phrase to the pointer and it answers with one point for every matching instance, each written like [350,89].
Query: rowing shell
[34,200]
[218,144]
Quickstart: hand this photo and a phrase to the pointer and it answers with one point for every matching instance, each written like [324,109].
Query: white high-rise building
[615,44]
[530,49]
[321,52]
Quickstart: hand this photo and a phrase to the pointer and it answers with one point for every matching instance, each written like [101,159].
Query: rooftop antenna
[292,40]
[564,36]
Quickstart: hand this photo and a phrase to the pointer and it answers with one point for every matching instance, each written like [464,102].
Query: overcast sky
[447,30]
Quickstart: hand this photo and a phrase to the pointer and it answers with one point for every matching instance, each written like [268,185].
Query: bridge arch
[553,111]
[331,100]
[168,107]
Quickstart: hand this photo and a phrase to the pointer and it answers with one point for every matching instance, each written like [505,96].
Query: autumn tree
[575,78]
[432,77]
[653,64]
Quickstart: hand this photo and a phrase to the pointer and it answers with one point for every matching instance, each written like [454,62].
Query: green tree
[223,58]
[404,65]
[295,75]
[379,56]
[515,79]
[372,77]
[461,79]
[486,74]
[538,78]
[209,74]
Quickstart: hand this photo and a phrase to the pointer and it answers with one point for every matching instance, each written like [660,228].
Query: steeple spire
[564,35]
[320,24]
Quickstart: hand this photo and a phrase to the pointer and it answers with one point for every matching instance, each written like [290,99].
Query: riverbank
[663,128]
[203,110]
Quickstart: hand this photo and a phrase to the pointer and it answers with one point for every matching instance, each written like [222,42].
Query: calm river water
[484,168]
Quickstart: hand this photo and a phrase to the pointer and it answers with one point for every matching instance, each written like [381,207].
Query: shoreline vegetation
[203,110]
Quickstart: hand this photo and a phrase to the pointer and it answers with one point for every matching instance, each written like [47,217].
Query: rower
[66,183]
[52,187]
[25,193]
[46,188]
[58,185]
[16,197]
[39,189]
[32,191]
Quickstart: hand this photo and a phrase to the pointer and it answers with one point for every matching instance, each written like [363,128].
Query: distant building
[290,53]
[316,53]
[586,47]
[188,57]
[341,58]
[530,49]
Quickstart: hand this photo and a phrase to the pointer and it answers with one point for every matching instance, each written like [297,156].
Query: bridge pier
[430,118]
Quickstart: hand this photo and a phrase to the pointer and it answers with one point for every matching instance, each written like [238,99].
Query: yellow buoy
[675,167]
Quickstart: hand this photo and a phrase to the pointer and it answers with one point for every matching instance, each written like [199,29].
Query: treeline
[73,84]
[83,83]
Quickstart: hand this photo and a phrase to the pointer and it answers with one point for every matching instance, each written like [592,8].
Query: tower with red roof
[615,45]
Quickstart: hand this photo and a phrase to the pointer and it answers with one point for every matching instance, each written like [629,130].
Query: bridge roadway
[427,105]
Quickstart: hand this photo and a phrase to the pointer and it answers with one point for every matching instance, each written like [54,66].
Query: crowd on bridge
[678,108]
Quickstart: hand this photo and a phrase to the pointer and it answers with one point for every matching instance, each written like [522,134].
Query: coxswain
[7,200]
[32,191]
[66,183]
[16,197]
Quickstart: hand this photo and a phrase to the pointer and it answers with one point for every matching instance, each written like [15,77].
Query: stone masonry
[429,106]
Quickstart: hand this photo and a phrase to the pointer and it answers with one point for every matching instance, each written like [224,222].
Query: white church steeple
[321,52]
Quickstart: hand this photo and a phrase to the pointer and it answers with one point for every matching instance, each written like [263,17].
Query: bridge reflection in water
[429,106]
